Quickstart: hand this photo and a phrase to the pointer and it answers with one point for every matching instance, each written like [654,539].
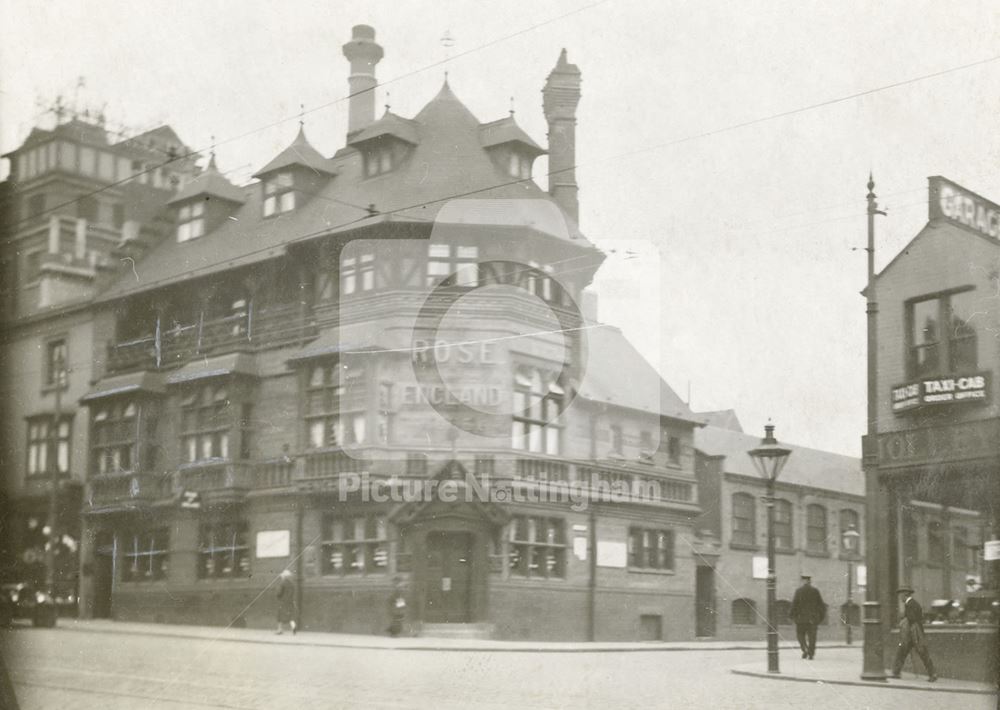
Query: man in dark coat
[911,636]
[286,601]
[808,611]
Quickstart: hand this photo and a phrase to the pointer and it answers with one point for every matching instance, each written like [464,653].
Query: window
[56,363]
[617,439]
[674,449]
[223,551]
[191,221]
[744,612]
[378,160]
[651,549]
[935,542]
[816,528]
[452,265]
[48,445]
[940,336]
[146,555]
[849,519]
[519,166]
[355,545]
[783,538]
[357,273]
[744,529]
[36,206]
[538,547]
[279,194]
[332,392]
[538,402]
[246,431]
[205,423]
[113,436]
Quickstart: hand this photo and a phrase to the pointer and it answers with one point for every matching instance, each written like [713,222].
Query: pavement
[829,669]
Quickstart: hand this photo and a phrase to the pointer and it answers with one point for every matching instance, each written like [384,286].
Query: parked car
[24,601]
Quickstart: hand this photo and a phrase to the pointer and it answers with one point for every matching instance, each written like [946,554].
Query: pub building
[937,453]
[343,370]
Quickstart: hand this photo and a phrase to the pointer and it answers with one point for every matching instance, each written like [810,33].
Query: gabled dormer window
[519,166]
[378,160]
[279,194]
[191,221]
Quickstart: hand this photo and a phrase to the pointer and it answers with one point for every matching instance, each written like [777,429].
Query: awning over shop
[124,384]
[222,366]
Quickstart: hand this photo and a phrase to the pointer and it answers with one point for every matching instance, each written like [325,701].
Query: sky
[723,148]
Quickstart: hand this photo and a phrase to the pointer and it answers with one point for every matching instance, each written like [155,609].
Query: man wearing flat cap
[911,635]
[808,611]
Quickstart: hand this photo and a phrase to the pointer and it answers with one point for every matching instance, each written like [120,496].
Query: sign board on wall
[612,554]
[861,575]
[273,543]
[954,203]
[955,389]
[759,568]
[991,550]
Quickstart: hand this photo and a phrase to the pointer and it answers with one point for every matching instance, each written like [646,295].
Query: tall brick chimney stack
[363,52]
[559,100]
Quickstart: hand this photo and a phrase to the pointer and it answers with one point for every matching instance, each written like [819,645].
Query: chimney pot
[559,101]
[363,52]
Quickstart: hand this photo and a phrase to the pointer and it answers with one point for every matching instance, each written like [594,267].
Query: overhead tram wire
[327,229]
[321,107]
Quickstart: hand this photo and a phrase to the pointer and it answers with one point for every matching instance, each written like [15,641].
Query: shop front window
[651,549]
[537,547]
[223,551]
[146,556]
[354,545]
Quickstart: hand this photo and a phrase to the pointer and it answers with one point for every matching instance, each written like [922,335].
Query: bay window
[113,436]
[205,424]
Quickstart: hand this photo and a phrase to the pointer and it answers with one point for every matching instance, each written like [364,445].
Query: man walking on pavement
[286,601]
[808,610]
[911,636]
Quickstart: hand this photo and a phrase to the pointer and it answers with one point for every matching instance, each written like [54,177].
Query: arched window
[744,612]
[783,538]
[744,518]
[816,528]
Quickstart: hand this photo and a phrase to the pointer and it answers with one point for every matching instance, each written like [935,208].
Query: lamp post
[769,458]
[851,538]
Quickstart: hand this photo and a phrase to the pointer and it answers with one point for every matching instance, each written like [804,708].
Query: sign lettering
[950,201]
[941,390]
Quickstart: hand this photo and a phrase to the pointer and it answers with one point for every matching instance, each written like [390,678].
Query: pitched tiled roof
[805,467]
[617,374]
[390,124]
[210,183]
[723,418]
[300,152]
[506,130]
[447,163]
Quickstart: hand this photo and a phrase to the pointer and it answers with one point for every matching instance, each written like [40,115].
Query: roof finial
[302,115]
[387,105]
[211,160]
[512,107]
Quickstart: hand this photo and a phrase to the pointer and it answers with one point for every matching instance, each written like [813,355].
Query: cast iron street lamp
[851,538]
[769,458]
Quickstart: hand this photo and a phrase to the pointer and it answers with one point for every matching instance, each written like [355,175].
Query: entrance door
[449,573]
[704,601]
[104,574]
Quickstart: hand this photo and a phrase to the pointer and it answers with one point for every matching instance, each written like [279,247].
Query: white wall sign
[580,547]
[273,543]
[861,573]
[991,550]
[611,554]
[760,568]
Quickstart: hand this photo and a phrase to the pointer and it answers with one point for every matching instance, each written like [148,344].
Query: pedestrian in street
[286,601]
[397,607]
[911,636]
[808,611]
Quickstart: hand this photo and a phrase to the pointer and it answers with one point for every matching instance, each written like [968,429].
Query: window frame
[530,410]
[748,538]
[157,554]
[205,417]
[369,553]
[51,348]
[782,505]
[49,442]
[120,418]
[209,553]
[279,195]
[524,551]
[947,344]
[817,541]
[335,403]
[191,221]
[641,551]
[459,265]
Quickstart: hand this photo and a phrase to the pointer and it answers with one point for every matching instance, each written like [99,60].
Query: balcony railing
[254,329]
[129,488]
[332,464]
[212,477]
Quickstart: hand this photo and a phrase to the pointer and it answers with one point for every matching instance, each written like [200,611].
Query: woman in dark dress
[286,601]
